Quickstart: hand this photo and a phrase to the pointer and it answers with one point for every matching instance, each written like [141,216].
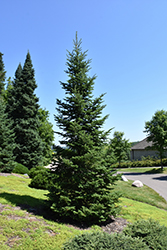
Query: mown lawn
[144,194]
[146,170]
[23,223]
[26,224]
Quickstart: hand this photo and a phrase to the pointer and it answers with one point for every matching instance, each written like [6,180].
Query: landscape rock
[26,175]
[124,178]
[137,183]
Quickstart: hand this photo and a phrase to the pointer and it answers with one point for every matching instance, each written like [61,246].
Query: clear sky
[126,40]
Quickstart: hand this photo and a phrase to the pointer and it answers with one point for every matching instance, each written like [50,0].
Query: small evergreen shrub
[8,168]
[34,171]
[20,169]
[41,179]
[104,241]
[150,231]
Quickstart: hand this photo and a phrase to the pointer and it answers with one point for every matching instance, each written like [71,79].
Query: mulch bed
[115,226]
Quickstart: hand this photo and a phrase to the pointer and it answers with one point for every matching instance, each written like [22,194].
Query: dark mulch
[115,226]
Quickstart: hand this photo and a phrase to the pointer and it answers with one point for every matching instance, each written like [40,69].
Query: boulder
[137,183]
[124,178]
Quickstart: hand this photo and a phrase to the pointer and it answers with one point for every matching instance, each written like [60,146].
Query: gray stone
[137,183]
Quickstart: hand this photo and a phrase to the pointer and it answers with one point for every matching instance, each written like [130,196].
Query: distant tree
[7,91]
[84,177]
[2,75]
[121,147]
[11,96]
[7,144]
[156,129]
[23,108]
[47,135]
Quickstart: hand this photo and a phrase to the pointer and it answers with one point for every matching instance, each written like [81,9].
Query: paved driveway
[158,182]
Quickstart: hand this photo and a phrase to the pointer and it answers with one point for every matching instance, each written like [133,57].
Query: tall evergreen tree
[23,110]
[6,133]
[7,144]
[2,74]
[46,133]
[83,174]
[11,96]
[7,91]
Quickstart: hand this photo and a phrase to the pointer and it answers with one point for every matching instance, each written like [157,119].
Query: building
[141,149]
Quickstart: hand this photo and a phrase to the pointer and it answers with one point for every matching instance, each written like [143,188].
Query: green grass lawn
[134,210]
[151,170]
[144,194]
[23,227]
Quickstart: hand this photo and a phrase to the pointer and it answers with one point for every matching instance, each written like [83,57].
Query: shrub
[20,169]
[34,171]
[164,162]
[103,241]
[150,231]
[145,162]
[8,168]
[41,179]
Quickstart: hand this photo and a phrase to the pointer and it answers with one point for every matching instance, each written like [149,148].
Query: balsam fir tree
[11,96]
[2,75]
[83,175]
[46,133]
[23,108]
[7,143]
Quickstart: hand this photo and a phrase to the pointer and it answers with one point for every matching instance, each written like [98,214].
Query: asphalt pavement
[158,182]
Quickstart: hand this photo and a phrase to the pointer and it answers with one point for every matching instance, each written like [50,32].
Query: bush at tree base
[20,169]
[33,171]
[104,241]
[41,178]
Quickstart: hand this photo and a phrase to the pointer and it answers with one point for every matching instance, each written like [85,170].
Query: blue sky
[126,40]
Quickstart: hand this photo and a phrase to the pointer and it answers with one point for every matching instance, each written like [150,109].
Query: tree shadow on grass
[155,171]
[134,173]
[40,207]
[30,204]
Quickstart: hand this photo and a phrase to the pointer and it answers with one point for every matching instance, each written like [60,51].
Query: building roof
[142,144]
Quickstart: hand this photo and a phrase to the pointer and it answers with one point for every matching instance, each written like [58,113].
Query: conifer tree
[2,74]
[6,133]
[83,175]
[23,108]
[11,96]
[7,144]
[46,133]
